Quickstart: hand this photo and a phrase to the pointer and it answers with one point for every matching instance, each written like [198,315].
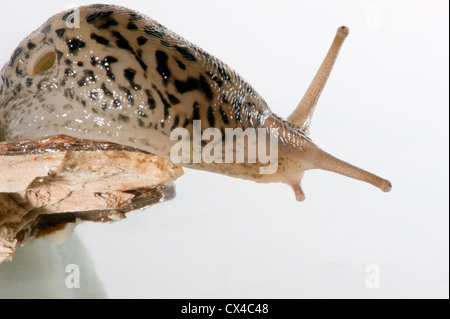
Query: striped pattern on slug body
[122,77]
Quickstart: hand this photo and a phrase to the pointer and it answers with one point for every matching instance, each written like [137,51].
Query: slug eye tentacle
[302,115]
[301,118]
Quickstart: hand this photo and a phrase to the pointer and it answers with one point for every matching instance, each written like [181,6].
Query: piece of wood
[46,185]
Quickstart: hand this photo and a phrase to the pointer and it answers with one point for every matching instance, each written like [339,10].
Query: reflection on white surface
[44,270]
[385,108]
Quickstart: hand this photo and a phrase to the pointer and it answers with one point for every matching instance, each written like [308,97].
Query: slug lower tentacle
[107,73]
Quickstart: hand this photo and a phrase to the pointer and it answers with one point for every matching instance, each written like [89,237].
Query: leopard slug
[108,73]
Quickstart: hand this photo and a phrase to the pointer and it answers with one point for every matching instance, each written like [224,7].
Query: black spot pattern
[60,32]
[31,45]
[211,117]
[181,65]
[102,19]
[99,39]
[162,68]
[193,84]
[131,26]
[150,100]
[107,65]
[123,118]
[154,31]
[186,53]
[142,40]
[166,104]
[75,45]
[130,75]
[224,116]
[173,99]
[105,90]
[123,43]
[176,122]
[215,78]
[15,55]
[196,113]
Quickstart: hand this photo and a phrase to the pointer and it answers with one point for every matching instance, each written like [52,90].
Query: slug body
[108,73]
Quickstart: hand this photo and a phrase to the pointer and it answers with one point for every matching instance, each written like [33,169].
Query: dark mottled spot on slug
[130,75]
[90,75]
[80,64]
[131,26]
[224,116]
[141,123]
[105,90]
[130,98]
[150,100]
[142,40]
[123,118]
[75,45]
[135,17]
[166,104]
[173,99]
[181,65]
[93,95]
[141,62]
[224,74]
[68,72]
[249,90]
[166,44]
[107,61]
[94,61]
[46,29]
[60,32]
[69,93]
[154,31]
[29,82]
[193,84]
[186,53]
[99,39]
[237,106]
[59,55]
[162,68]
[176,122]
[196,112]
[91,18]
[141,113]
[15,55]
[122,42]
[211,117]
[215,78]
[117,103]
[102,20]
[31,45]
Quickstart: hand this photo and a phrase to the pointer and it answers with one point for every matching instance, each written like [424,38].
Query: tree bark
[50,185]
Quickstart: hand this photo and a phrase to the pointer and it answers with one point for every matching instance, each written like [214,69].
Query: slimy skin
[122,77]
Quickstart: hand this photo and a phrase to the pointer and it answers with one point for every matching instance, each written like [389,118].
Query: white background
[385,109]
